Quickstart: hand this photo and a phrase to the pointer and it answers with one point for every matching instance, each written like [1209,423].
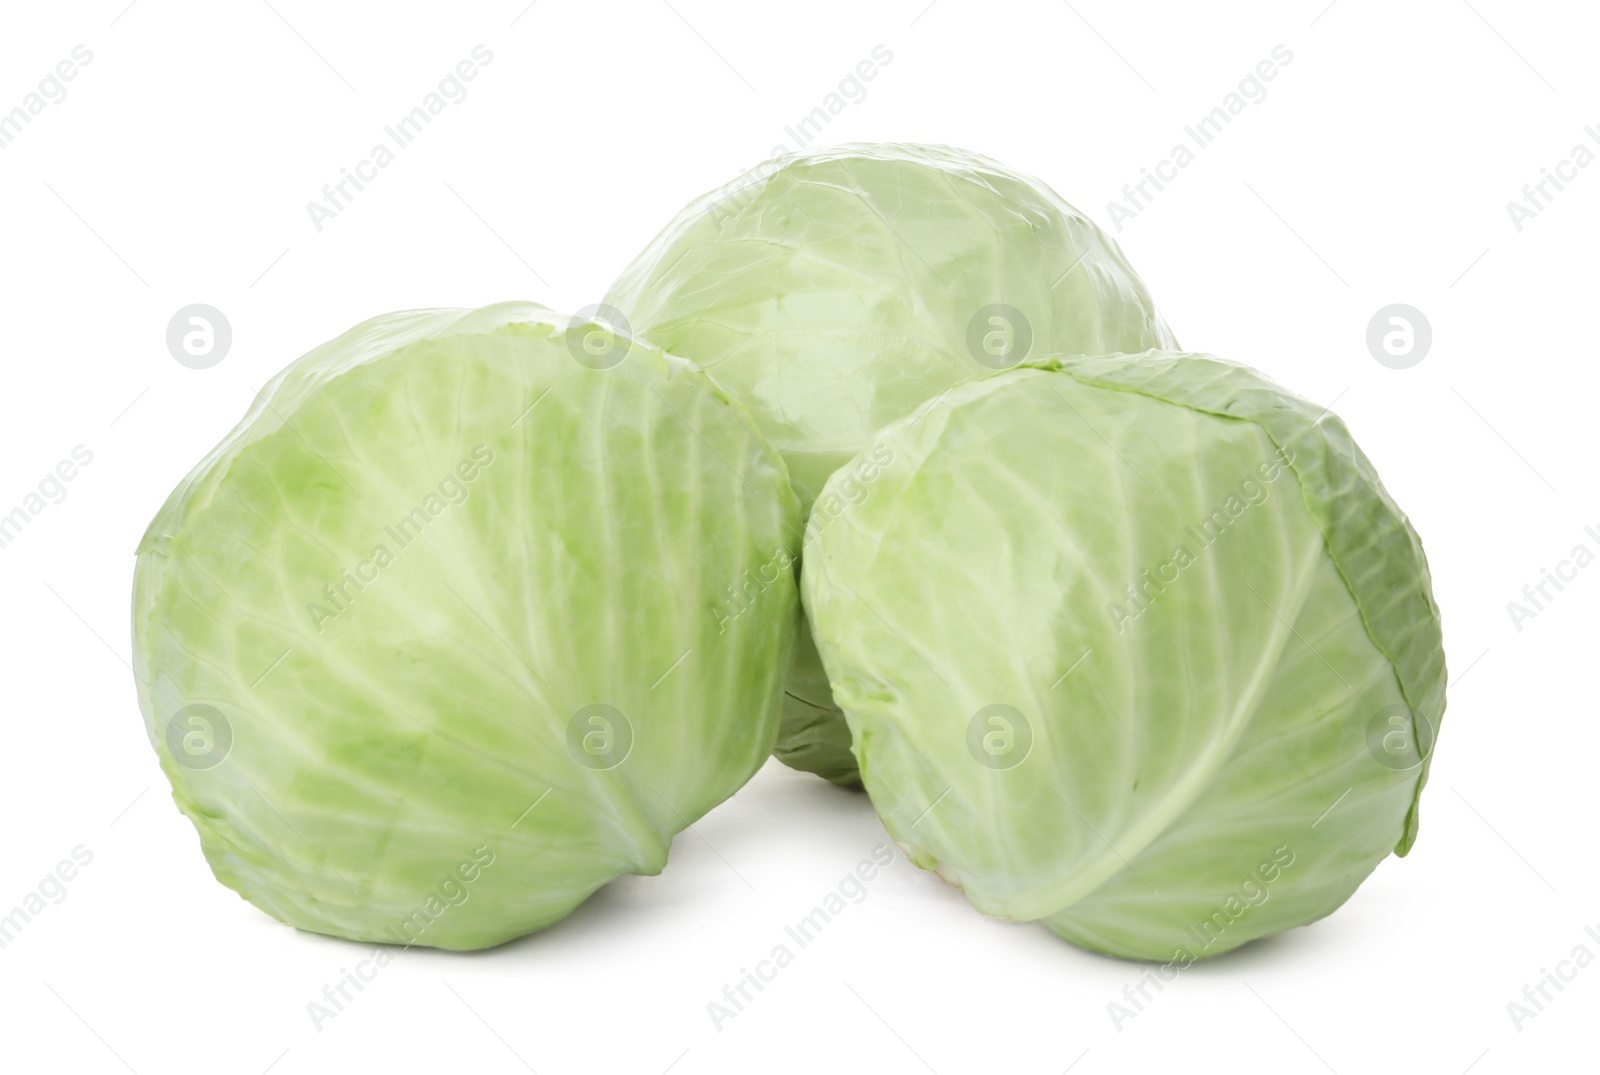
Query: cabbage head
[833,291]
[438,640]
[1138,646]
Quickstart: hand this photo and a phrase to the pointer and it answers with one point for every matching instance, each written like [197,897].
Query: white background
[1377,170]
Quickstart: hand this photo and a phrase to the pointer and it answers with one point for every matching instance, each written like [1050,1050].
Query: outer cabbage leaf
[435,643]
[835,290]
[1138,646]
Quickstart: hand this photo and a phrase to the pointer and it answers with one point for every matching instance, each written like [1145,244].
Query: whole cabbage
[833,291]
[1138,646]
[438,640]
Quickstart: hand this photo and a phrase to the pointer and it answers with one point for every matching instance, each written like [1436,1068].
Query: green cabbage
[1136,646]
[439,640]
[838,289]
